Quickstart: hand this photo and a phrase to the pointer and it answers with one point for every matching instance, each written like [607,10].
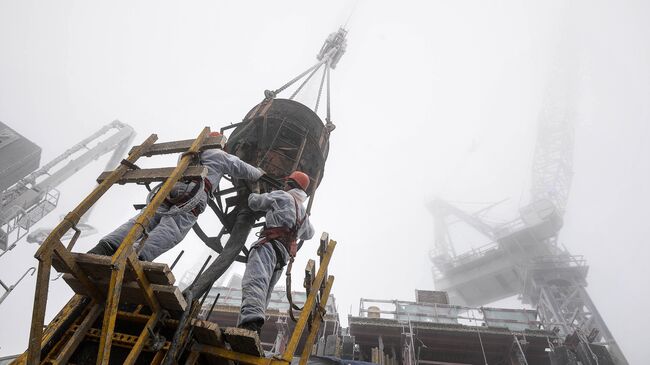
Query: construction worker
[286,222]
[176,216]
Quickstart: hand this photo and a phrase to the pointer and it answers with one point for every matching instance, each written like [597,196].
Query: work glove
[255,187]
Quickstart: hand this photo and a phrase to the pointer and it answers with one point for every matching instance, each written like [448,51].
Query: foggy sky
[431,99]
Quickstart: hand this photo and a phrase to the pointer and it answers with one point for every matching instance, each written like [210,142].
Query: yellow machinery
[139,305]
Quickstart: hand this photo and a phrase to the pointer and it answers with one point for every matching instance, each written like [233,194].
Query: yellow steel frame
[123,258]
[310,305]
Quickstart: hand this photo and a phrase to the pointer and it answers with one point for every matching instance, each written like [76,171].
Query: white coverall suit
[266,261]
[170,224]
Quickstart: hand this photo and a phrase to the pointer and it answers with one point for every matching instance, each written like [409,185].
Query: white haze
[436,98]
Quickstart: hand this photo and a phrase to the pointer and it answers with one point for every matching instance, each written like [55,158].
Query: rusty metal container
[280,136]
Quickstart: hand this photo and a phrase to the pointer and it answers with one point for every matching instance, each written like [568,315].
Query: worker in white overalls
[286,222]
[176,216]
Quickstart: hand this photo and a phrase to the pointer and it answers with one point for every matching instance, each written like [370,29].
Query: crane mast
[33,197]
[552,168]
[524,257]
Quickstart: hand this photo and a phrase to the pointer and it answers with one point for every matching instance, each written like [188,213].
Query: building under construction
[127,311]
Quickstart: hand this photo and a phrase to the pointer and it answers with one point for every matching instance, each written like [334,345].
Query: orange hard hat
[300,178]
[214,134]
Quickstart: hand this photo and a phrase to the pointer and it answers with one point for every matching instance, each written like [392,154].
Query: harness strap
[287,236]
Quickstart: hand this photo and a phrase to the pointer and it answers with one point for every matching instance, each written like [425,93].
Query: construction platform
[126,311]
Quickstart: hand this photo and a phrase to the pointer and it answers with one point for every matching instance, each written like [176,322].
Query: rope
[327,118]
[283,87]
[304,82]
[320,88]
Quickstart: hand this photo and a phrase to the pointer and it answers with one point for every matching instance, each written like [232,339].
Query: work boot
[254,325]
[102,248]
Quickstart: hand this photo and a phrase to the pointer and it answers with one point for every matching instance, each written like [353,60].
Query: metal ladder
[284,147]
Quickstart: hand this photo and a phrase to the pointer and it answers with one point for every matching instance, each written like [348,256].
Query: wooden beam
[144,176]
[63,256]
[38,312]
[309,303]
[169,297]
[119,259]
[44,253]
[184,145]
[207,333]
[244,341]
[315,326]
[142,339]
[99,268]
[78,336]
[143,282]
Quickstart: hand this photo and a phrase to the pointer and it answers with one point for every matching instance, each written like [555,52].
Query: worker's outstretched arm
[230,164]
[262,202]
[241,170]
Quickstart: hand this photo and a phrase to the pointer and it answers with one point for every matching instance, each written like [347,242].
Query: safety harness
[186,197]
[288,237]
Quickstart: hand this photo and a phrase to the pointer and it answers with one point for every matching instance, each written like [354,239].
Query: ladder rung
[182,146]
[292,159]
[155,174]
[286,141]
[295,129]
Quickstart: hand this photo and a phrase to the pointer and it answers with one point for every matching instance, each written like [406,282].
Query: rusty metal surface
[284,136]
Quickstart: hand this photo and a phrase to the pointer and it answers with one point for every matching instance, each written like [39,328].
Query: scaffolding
[138,302]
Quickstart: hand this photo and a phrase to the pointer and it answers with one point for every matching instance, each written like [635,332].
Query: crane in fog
[524,257]
[34,196]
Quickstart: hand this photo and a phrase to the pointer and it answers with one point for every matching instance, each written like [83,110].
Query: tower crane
[33,197]
[524,257]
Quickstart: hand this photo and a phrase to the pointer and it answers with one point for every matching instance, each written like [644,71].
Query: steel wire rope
[320,87]
[292,81]
[327,117]
[304,82]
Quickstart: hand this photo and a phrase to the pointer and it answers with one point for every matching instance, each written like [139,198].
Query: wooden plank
[63,255]
[244,341]
[155,175]
[169,297]
[184,145]
[38,313]
[236,356]
[99,268]
[192,358]
[207,333]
